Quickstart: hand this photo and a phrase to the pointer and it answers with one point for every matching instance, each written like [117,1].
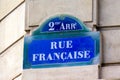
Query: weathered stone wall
[12,25]
[109,25]
[101,15]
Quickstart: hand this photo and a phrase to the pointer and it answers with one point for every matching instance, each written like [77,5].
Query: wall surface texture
[12,25]
[19,18]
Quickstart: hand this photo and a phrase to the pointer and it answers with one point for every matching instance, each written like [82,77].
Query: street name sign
[61,41]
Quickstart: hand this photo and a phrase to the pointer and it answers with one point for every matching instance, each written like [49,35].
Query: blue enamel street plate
[60,49]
